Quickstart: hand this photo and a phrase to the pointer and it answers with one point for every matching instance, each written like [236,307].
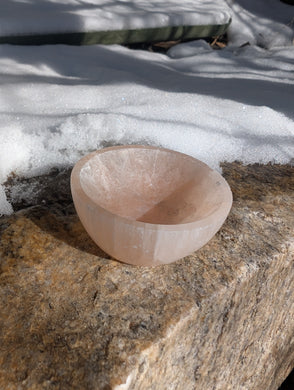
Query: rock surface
[219,319]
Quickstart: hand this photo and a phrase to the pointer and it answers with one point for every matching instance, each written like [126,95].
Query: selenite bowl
[148,206]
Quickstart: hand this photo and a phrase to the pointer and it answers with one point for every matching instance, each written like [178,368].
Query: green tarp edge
[125,37]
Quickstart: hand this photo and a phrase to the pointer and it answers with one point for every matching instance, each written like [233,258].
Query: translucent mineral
[146,205]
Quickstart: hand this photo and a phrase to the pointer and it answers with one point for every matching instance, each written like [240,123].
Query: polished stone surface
[222,318]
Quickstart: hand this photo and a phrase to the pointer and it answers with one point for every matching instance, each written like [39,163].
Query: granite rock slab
[220,319]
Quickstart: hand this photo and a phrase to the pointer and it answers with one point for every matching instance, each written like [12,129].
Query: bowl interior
[152,185]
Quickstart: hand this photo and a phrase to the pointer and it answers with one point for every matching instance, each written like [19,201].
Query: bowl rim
[75,177]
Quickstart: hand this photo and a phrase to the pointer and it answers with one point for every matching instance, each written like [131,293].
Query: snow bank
[58,103]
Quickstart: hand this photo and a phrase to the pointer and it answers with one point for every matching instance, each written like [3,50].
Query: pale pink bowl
[148,206]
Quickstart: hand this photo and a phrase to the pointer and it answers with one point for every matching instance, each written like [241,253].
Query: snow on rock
[5,206]
[189,49]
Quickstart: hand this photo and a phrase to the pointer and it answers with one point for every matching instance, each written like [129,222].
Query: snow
[47,16]
[57,103]
[267,23]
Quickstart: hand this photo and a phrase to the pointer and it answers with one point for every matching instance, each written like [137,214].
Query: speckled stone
[220,319]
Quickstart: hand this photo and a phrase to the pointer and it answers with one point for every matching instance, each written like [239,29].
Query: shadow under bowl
[148,206]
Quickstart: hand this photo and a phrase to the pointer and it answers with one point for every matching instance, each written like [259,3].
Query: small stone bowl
[148,206]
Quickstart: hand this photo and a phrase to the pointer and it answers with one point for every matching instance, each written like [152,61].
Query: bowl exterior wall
[142,244]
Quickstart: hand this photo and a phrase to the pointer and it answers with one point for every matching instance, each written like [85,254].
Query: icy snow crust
[60,102]
[51,16]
